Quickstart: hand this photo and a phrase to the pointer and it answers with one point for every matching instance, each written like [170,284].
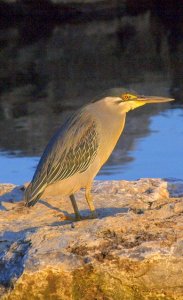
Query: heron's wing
[77,152]
[70,151]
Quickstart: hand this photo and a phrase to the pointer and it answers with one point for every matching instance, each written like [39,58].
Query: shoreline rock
[133,250]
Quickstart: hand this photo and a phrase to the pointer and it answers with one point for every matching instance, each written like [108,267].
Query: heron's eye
[126,97]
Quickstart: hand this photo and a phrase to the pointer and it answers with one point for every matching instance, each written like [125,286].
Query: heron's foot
[78,217]
[94,214]
[70,218]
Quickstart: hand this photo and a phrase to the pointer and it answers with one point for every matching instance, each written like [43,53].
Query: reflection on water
[158,155]
[48,72]
[17,170]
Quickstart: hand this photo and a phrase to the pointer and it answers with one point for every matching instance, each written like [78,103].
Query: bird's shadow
[104,212]
[52,207]
[111,211]
[101,212]
[86,214]
[16,195]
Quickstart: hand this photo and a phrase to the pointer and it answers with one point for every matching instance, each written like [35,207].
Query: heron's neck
[110,134]
[109,121]
[110,127]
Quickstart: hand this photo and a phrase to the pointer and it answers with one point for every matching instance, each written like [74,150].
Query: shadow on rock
[53,207]
[13,249]
[175,187]
[13,196]
[111,211]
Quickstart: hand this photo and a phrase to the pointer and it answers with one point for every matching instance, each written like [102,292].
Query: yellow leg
[89,199]
[75,207]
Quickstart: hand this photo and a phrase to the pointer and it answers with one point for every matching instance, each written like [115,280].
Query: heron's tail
[31,195]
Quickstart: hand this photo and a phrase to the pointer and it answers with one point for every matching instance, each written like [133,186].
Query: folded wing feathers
[71,152]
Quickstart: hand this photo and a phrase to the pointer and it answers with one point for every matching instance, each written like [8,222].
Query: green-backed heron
[82,145]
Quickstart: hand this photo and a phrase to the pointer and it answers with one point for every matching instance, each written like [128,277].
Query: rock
[133,250]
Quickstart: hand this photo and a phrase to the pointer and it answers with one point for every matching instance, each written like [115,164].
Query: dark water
[47,71]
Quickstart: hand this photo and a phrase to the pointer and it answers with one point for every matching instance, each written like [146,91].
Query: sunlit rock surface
[134,250]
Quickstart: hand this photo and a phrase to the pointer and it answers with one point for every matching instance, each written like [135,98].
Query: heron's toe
[93,215]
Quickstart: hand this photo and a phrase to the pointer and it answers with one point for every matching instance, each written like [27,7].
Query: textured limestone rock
[134,250]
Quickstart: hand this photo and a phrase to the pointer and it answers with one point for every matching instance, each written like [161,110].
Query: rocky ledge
[133,250]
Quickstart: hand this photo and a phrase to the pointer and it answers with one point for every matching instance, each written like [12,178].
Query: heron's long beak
[153,99]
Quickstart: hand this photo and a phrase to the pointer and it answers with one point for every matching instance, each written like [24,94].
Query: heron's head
[121,100]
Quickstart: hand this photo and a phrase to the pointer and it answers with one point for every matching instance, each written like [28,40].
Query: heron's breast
[109,136]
